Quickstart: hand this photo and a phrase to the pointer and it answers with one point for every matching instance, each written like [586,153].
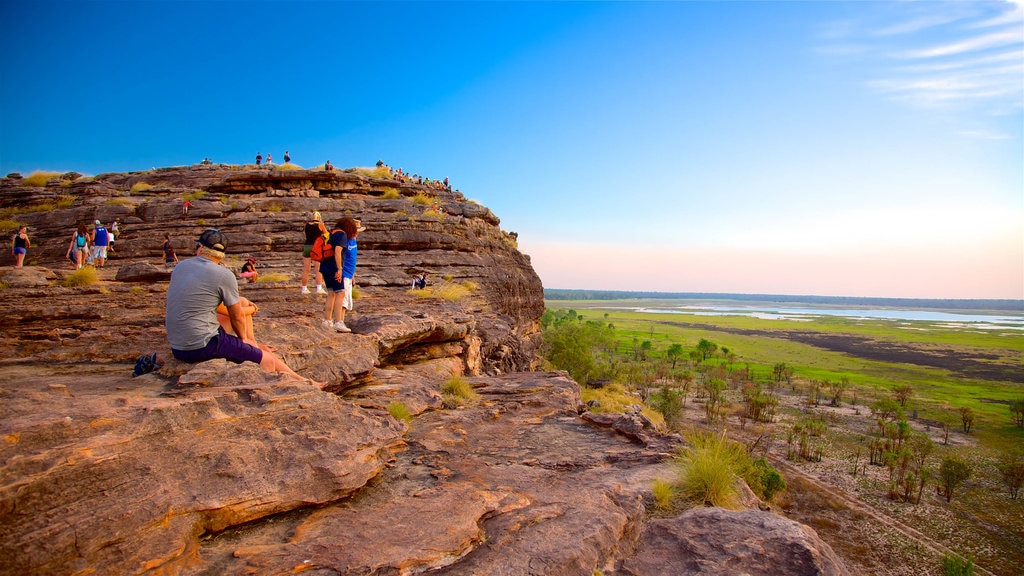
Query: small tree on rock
[967,418]
[1017,409]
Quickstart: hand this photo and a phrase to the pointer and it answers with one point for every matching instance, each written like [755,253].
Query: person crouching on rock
[249,270]
[198,285]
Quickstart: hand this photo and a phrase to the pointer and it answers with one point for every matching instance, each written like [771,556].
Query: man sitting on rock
[198,286]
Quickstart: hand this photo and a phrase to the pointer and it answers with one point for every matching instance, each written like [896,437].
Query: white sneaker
[328,324]
[305,290]
[320,290]
[340,327]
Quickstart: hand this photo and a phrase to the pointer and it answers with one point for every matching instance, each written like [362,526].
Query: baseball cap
[98,223]
[212,238]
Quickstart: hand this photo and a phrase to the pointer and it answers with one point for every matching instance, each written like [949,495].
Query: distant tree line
[941,304]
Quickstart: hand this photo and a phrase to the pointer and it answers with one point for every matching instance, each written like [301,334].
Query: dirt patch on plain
[966,364]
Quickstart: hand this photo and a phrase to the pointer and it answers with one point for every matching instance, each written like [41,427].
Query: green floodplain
[948,365]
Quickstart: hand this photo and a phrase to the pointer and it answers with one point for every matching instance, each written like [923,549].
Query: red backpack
[322,248]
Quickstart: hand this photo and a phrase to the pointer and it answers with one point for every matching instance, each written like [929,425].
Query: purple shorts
[225,346]
[19,250]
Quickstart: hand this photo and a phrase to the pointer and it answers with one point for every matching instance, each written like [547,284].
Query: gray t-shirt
[197,286]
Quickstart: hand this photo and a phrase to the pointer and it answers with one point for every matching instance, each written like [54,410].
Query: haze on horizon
[819,148]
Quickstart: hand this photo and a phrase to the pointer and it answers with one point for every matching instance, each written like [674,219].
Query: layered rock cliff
[218,468]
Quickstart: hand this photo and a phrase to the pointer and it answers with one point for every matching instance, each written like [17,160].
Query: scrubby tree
[967,418]
[1017,409]
[706,348]
[902,394]
[573,345]
[674,353]
[953,472]
[1011,468]
[715,389]
[669,402]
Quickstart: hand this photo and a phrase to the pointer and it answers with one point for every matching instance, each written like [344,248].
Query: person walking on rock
[287,157]
[20,245]
[100,241]
[313,229]
[79,245]
[198,286]
[259,159]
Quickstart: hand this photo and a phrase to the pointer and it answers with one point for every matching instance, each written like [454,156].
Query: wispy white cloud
[957,55]
[974,44]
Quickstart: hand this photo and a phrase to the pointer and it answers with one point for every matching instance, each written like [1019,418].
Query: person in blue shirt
[339,272]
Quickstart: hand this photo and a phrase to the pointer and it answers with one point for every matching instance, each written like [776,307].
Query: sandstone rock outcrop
[218,468]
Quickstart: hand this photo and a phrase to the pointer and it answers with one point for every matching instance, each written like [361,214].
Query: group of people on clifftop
[270,159]
[404,177]
[207,318]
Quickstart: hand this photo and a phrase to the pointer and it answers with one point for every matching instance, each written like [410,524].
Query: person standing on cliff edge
[198,285]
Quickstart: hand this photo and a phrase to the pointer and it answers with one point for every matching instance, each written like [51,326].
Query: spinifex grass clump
[447,291]
[710,469]
[273,277]
[399,411]
[456,391]
[85,276]
[39,178]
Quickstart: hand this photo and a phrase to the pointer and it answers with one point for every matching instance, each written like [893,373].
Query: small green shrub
[391,194]
[953,565]
[771,482]
[398,411]
[39,178]
[456,391]
[85,276]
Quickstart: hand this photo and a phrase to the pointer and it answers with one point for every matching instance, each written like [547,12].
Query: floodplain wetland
[946,370]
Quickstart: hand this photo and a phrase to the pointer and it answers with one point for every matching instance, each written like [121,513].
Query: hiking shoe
[340,327]
[320,290]
[305,290]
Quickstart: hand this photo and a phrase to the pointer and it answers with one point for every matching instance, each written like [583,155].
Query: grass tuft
[422,199]
[447,291]
[273,277]
[39,178]
[710,468]
[118,202]
[664,494]
[456,391]
[288,166]
[142,187]
[85,276]
[391,194]
[399,411]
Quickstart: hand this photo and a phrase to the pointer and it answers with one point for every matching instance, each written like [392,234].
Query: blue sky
[831,148]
